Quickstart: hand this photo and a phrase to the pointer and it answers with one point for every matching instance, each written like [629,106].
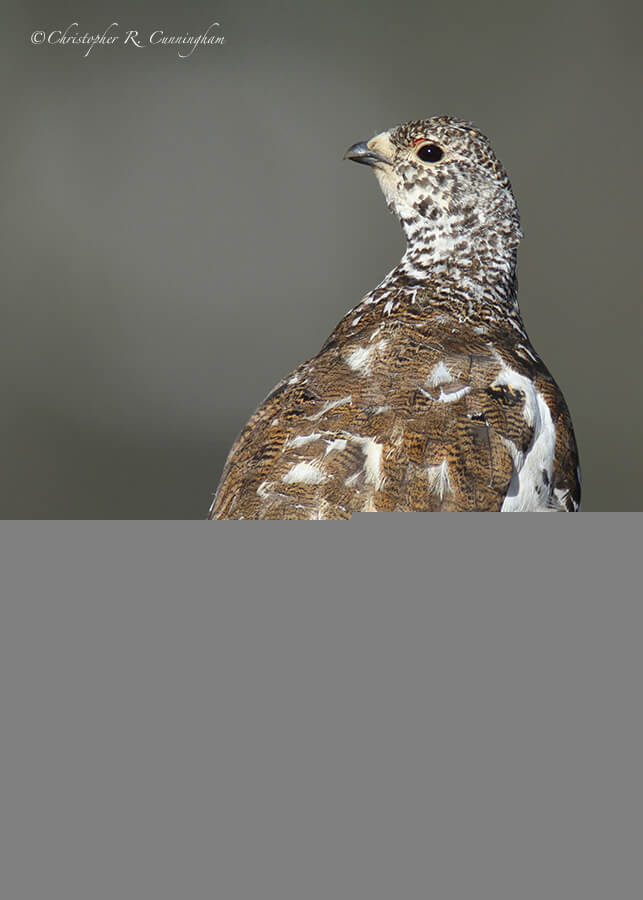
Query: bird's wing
[385,421]
[566,484]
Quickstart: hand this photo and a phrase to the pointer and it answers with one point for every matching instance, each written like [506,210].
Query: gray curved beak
[362,153]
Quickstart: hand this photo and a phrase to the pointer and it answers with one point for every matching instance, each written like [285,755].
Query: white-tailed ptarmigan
[428,395]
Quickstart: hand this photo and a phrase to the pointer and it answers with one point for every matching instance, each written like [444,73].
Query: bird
[428,395]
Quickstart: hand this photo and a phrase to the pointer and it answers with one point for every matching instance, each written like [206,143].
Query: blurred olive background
[180,233]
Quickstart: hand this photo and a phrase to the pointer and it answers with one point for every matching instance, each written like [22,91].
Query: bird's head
[443,181]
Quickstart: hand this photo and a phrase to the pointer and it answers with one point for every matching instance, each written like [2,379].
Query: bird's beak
[362,153]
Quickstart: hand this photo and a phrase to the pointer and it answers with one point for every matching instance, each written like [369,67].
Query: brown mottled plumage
[428,395]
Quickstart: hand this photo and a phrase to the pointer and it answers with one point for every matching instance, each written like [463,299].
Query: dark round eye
[430,153]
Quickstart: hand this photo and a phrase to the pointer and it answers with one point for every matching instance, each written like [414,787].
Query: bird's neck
[469,278]
[467,253]
[482,274]
[459,267]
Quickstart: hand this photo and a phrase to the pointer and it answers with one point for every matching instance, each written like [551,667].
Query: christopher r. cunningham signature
[111,36]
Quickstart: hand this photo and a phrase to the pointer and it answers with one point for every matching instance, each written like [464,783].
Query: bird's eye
[430,153]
